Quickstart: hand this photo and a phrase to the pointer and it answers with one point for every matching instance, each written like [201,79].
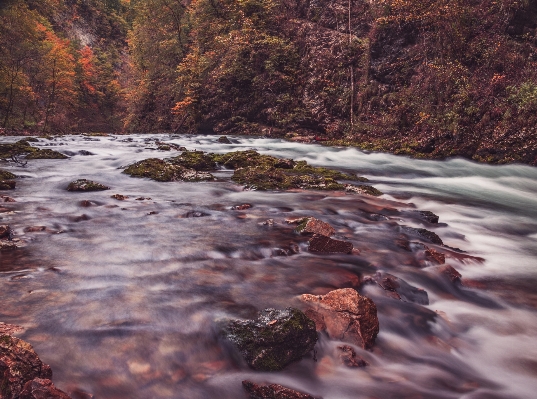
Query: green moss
[302,167]
[5,175]
[155,169]
[160,170]
[46,154]
[196,160]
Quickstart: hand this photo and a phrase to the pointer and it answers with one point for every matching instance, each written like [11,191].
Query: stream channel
[124,298]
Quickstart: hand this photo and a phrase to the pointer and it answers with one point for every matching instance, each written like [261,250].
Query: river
[124,298]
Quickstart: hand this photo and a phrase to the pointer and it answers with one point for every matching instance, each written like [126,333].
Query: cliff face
[426,78]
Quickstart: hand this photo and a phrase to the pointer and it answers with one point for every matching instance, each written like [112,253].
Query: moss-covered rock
[275,339]
[46,154]
[363,189]
[160,170]
[197,160]
[7,184]
[86,185]
[23,148]
[5,175]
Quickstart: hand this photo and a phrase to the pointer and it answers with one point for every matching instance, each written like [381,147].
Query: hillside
[426,78]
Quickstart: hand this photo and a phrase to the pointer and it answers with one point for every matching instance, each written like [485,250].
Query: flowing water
[124,298]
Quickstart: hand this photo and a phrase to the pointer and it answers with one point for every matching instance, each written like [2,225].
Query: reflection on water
[123,298]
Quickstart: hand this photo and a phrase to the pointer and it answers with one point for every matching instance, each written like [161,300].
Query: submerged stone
[224,140]
[322,244]
[86,185]
[272,391]
[7,184]
[428,216]
[399,289]
[424,234]
[345,315]
[273,340]
[348,357]
[40,388]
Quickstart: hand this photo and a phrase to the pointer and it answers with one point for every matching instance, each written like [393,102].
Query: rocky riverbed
[192,266]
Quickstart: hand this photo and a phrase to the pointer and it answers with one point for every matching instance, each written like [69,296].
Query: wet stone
[399,289]
[345,315]
[428,216]
[325,245]
[119,197]
[195,214]
[9,329]
[19,364]
[6,232]
[423,234]
[224,140]
[272,391]
[8,184]
[35,229]
[311,226]
[5,198]
[348,357]
[363,189]
[273,340]
[433,256]
[450,273]
[40,388]
[241,207]
[86,185]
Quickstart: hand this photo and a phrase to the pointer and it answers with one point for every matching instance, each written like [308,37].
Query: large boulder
[272,391]
[273,340]
[18,365]
[345,315]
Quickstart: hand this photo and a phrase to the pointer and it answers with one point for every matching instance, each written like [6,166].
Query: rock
[6,245]
[450,273]
[86,185]
[85,203]
[34,229]
[272,391]
[9,329]
[7,184]
[195,214]
[224,140]
[19,364]
[348,357]
[434,256]
[6,232]
[363,189]
[45,154]
[196,160]
[143,198]
[399,289]
[273,340]
[326,245]
[85,153]
[40,388]
[310,226]
[345,315]
[5,175]
[241,207]
[5,198]
[428,216]
[119,197]
[423,234]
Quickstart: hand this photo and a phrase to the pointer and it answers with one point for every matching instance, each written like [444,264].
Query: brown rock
[272,391]
[34,229]
[345,314]
[348,357]
[5,198]
[7,184]
[434,256]
[450,273]
[399,289]
[85,203]
[322,244]
[9,329]
[241,207]
[40,388]
[5,231]
[119,197]
[311,226]
[18,365]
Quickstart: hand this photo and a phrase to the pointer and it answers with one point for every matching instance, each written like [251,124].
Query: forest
[430,79]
